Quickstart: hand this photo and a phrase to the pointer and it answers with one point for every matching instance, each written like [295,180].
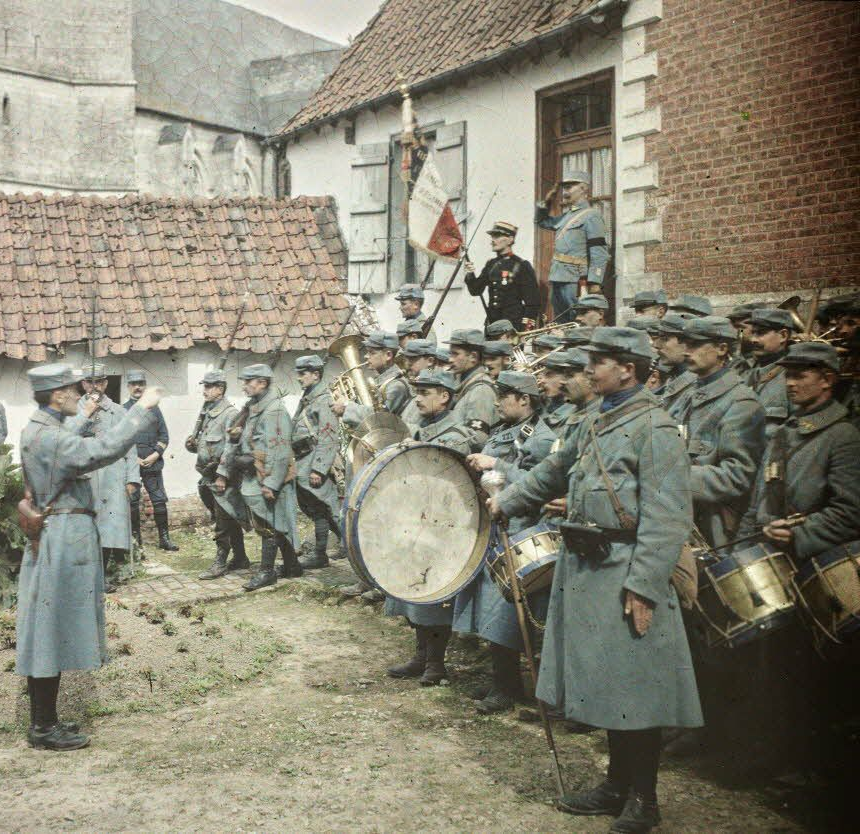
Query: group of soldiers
[631,441]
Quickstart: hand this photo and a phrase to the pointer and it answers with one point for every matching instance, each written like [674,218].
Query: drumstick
[492,483]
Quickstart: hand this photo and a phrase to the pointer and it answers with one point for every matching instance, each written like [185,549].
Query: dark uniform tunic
[513,289]
[153,438]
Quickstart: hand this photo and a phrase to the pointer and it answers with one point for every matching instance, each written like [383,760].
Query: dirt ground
[273,713]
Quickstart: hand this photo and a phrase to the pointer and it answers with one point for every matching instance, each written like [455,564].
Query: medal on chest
[506,277]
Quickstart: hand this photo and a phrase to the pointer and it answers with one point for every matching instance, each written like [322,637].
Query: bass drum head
[418,524]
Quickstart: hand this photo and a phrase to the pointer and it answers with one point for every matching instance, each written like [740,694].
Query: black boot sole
[54,749]
[402,676]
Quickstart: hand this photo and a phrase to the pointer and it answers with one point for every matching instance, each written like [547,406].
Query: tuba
[352,385]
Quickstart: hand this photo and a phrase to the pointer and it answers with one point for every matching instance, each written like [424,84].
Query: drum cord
[532,619]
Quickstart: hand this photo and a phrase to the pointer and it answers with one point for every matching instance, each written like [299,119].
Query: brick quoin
[759,157]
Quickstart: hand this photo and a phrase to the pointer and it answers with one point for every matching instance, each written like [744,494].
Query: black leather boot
[507,685]
[639,816]
[217,568]
[437,641]
[319,558]
[266,575]
[414,667]
[164,542]
[55,738]
[135,523]
[239,560]
[291,568]
[110,580]
[607,798]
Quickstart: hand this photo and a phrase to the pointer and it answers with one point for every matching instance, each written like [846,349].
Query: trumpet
[528,335]
[525,363]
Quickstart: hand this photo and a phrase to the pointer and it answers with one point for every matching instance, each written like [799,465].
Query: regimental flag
[431,223]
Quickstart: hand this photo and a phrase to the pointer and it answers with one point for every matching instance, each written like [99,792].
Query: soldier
[516,445]
[741,318]
[615,654]
[650,303]
[501,330]
[475,401]
[590,310]
[497,357]
[812,462]
[381,349]
[771,334]
[432,623]
[510,279]
[545,344]
[679,380]
[443,359]
[552,381]
[647,324]
[112,485]
[580,243]
[411,298]
[315,445]
[419,355]
[264,458]
[410,329]
[847,323]
[209,441]
[60,622]
[691,305]
[723,425]
[151,446]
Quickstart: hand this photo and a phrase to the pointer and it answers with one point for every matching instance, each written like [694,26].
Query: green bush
[11,538]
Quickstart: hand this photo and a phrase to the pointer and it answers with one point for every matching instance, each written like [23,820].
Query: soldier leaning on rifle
[151,446]
[420,355]
[510,281]
[475,402]
[263,456]
[316,444]
[723,426]
[497,357]
[580,249]
[650,303]
[432,623]
[615,654]
[679,380]
[519,442]
[772,330]
[112,485]
[60,622]
[229,509]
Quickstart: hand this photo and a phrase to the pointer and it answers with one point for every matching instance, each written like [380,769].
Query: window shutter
[368,220]
[450,154]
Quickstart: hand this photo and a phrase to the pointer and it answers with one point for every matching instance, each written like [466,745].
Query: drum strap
[626,521]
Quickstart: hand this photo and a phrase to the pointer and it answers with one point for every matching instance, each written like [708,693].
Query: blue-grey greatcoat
[394,391]
[411,415]
[725,439]
[267,435]
[593,664]
[316,444]
[211,445]
[580,243]
[475,405]
[60,623]
[677,390]
[480,608]
[556,414]
[109,482]
[446,431]
[768,384]
[822,453]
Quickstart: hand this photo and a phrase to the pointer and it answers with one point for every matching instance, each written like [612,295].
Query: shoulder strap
[576,217]
[606,420]
[626,521]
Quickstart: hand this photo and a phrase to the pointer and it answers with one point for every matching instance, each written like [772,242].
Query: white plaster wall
[179,374]
[501,137]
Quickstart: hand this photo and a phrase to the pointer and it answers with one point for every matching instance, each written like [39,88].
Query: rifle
[192,441]
[235,430]
[428,322]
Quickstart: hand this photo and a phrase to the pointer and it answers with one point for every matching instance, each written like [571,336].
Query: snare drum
[827,588]
[535,551]
[746,595]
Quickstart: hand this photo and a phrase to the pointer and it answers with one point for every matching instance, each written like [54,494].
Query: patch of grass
[97,710]
[168,628]
[7,629]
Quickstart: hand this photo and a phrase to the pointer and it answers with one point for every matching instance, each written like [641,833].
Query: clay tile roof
[427,40]
[167,273]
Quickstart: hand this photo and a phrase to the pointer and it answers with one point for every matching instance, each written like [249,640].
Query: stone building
[151,96]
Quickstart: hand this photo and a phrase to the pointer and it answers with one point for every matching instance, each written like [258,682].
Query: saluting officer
[615,654]
[475,401]
[315,445]
[651,303]
[679,380]
[151,446]
[772,330]
[113,485]
[432,623]
[723,428]
[520,441]
[210,443]
[510,279]
[580,243]
[497,357]
[60,622]
[263,456]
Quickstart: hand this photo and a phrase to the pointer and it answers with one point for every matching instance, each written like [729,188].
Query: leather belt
[570,259]
[72,511]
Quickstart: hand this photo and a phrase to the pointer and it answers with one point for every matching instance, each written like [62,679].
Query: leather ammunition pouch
[245,464]
[304,446]
[589,540]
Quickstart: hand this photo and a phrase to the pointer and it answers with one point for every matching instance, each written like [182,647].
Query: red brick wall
[759,153]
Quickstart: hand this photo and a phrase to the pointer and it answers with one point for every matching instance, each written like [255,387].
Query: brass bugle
[528,335]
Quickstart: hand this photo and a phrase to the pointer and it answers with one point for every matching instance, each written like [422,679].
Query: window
[585,108]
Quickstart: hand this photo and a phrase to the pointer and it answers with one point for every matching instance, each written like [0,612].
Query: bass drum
[415,524]
[827,588]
